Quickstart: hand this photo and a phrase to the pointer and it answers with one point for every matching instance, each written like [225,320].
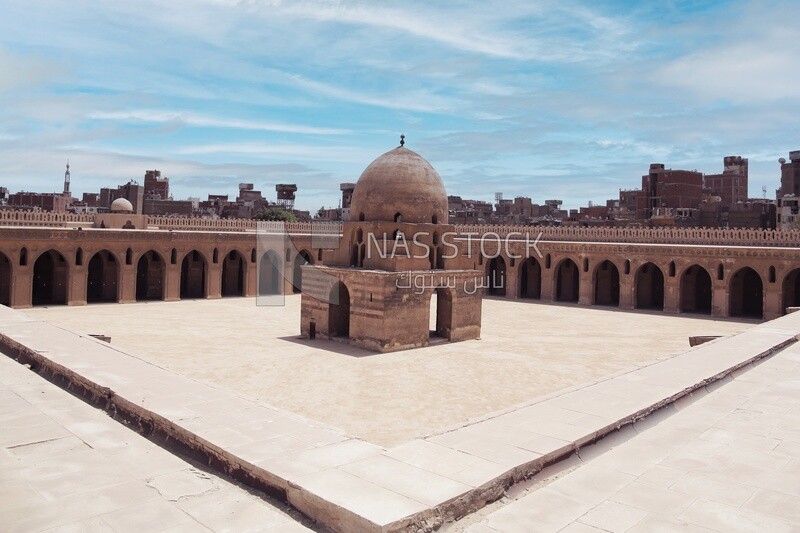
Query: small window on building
[23,257]
[627,266]
[772,274]
[720,272]
[174,257]
[672,269]
[79,257]
[129,257]
[585,264]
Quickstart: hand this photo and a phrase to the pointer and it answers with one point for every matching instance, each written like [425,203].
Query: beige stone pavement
[727,462]
[66,466]
[352,485]
[528,349]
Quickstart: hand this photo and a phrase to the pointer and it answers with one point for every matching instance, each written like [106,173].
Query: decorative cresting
[699,236]
[400,186]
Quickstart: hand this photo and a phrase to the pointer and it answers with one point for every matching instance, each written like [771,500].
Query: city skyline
[559,100]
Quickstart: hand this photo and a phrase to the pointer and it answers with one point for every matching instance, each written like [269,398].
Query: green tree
[274,213]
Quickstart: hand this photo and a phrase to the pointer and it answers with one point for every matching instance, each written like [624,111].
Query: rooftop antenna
[402,139]
[764,191]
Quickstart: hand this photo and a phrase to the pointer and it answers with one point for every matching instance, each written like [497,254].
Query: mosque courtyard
[576,419]
[527,350]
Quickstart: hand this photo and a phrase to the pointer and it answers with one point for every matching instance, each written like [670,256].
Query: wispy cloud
[554,98]
[191,119]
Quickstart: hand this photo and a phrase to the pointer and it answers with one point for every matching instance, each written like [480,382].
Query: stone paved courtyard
[728,462]
[527,350]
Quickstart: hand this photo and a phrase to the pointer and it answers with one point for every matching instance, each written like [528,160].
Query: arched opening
[50,279]
[530,279]
[361,217]
[606,284]
[434,219]
[441,313]
[173,257]
[649,287]
[23,257]
[101,282]
[150,271]
[233,274]
[270,274]
[791,289]
[746,294]
[79,257]
[303,258]
[567,281]
[496,272]
[339,311]
[398,217]
[696,290]
[672,269]
[193,275]
[5,280]
[129,257]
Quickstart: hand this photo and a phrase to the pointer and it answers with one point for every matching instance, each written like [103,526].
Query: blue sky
[547,99]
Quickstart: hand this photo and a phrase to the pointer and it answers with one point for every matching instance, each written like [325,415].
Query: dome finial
[402,139]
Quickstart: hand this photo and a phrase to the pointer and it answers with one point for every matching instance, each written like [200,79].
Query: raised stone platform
[729,461]
[68,467]
[352,485]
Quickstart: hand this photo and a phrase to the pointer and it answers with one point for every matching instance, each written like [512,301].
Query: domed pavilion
[397,270]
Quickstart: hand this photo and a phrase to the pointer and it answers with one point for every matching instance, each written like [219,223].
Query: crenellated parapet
[672,235]
[700,236]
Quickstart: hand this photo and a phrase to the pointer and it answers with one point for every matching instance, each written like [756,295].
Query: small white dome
[121,205]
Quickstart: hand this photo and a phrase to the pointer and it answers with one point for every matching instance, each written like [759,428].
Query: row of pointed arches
[745,286]
[51,274]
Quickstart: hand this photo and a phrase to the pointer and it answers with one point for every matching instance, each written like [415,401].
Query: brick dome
[400,186]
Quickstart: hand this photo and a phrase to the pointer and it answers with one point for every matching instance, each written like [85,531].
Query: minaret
[66,180]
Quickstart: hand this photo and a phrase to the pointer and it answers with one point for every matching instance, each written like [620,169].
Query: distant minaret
[66,180]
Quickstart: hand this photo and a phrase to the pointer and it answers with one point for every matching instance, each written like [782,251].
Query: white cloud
[755,62]
[311,152]
[449,30]
[145,115]
[24,71]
